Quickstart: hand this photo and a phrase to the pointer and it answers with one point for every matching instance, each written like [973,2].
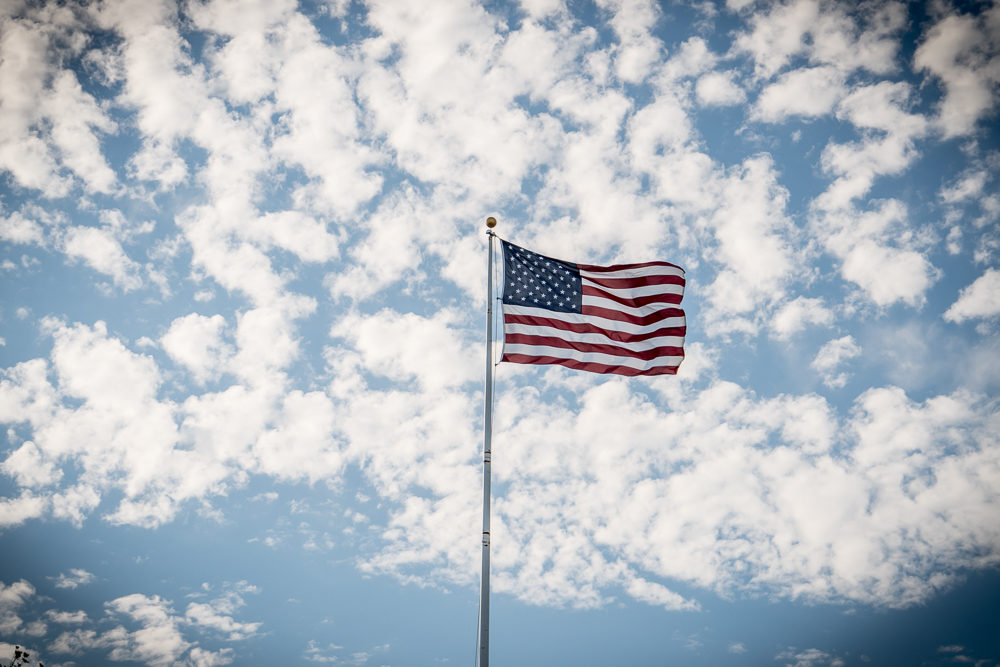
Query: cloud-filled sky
[243,320]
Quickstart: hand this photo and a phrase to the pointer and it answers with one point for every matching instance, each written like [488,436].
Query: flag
[623,319]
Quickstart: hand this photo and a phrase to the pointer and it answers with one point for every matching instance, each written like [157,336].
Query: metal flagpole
[484,593]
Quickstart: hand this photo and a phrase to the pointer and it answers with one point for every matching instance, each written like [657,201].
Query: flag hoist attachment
[484,592]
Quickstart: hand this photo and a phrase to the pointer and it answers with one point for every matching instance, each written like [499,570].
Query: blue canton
[538,281]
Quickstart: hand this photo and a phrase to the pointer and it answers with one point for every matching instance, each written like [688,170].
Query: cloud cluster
[732,492]
[146,628]
[96,407]
[316,195]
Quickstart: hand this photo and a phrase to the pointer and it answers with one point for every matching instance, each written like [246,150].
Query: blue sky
[242,332]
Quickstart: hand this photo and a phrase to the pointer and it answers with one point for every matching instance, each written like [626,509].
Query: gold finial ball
[491,222]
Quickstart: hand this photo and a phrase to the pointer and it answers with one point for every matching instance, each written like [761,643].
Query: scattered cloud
[963,52]
[244,249]
[981,299]
[12,597]
[811,657]
[148,630]
[830,358]
[719,89]
[799,313]
[77,577]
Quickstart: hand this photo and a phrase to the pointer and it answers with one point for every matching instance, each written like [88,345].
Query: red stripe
[627,283]
[614,350]
[652,318]
[579,327]
[588,366]
[622,267]
[634,301]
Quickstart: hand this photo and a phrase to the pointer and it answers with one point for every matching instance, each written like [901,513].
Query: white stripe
[632,292]
[594,338]
[610,325]
[640,272]
[635,311]
[591,357]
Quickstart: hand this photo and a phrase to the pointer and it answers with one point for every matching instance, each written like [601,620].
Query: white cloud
[75,503]
[889,274]
[99,369]
[67,617]
[77,577]
[17,228]
[968,186]
[312,83]
[99,398]
[236,264]
[217,614]
[302,235]
[155,161]
[795,315]
[159,642]
[12,597]
[435,352]
[445,118]
[387,253]
[299,443]
[776,506]
[981,299]
[266,340]
[963,52]
[159,638]
[269,153]
[49,121]
[879,252]
[196,342]
[658,594]
[151,61]
[690,59]
[112,404]
[804,92]
[754,239]
[778,35]
[811,657]
[719,89]
[838,34]
[637,49]
[75,114]
[27,465]
[101,251]
[831,356]
[15,511]
[890,149]
[883,106]
[741,224]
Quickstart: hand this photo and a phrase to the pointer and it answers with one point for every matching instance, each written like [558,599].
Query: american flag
[621,319]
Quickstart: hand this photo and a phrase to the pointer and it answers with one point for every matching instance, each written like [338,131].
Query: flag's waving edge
[623,319]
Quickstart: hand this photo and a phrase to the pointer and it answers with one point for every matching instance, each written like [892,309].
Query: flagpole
[484,591]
